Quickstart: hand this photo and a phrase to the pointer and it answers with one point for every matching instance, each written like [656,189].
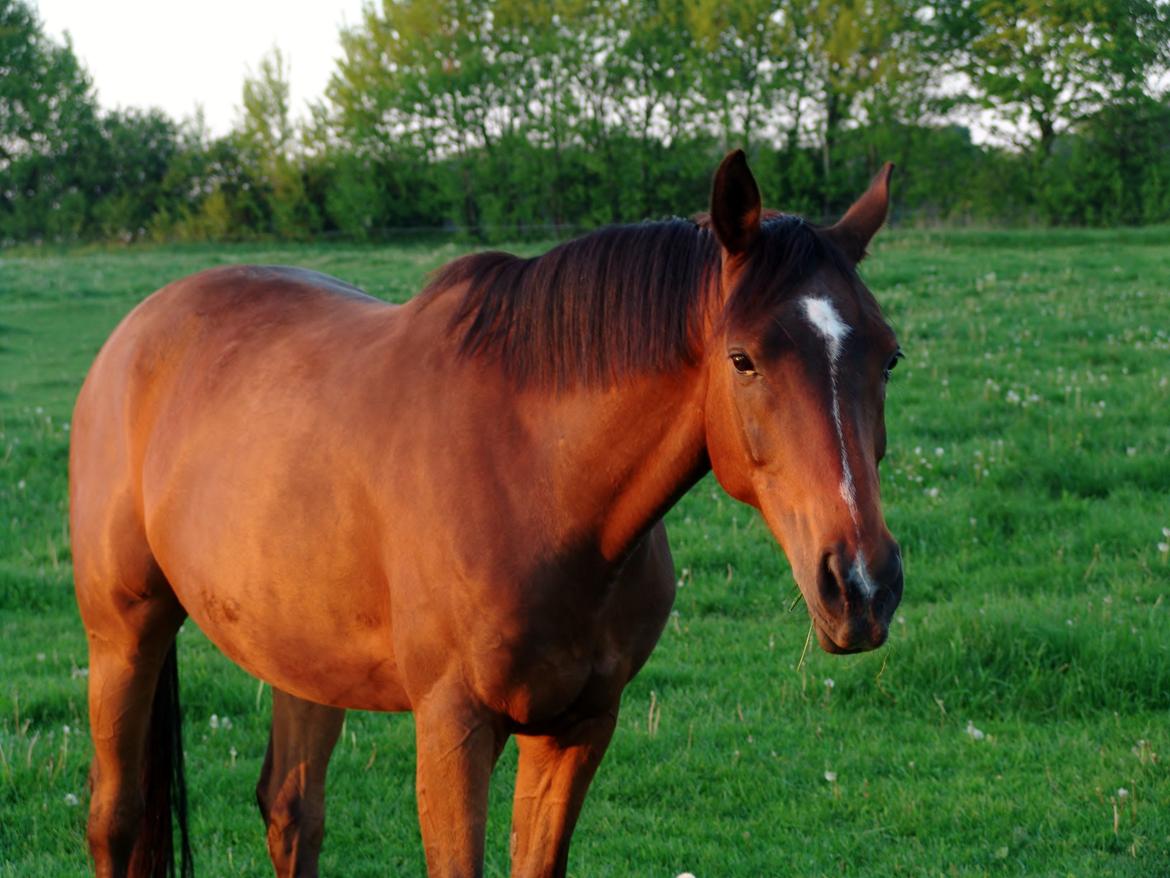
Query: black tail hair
[163,786]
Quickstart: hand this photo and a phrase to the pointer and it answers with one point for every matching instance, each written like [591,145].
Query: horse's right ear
[735,203]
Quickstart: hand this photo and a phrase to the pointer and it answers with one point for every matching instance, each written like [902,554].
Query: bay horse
[454,506]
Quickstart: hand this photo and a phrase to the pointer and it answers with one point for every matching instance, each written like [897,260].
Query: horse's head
[797,365]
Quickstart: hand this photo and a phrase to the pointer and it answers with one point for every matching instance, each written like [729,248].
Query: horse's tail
[163,785]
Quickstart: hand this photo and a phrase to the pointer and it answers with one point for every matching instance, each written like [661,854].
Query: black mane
[619,301]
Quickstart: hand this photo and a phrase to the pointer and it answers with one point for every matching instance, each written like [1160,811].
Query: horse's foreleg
[458,745]
[291,791]
[553,777]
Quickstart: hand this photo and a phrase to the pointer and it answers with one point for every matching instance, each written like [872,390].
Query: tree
[48,126]
[1043,65]
[267,139]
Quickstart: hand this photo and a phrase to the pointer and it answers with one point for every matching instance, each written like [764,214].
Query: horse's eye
[898,355]
[742,362]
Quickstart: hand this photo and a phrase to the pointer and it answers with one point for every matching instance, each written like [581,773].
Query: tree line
[505,117]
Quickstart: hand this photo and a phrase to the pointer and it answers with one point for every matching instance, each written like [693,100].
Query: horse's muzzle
[857,599]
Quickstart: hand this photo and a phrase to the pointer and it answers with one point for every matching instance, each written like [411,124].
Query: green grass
[1028,480]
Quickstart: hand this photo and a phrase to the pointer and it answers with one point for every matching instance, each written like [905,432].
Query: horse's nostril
[890,591]
[891,573]
[829,583]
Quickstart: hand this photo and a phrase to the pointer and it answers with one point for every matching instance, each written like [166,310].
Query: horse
[454,506]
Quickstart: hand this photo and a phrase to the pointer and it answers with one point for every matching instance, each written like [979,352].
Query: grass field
[1018,722]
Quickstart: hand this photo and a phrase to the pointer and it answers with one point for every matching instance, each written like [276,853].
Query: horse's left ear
[856,229]
[735,203]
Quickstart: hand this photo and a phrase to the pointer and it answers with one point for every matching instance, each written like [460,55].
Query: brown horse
[454,507]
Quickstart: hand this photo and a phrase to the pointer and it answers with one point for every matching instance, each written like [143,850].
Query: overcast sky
[175,55]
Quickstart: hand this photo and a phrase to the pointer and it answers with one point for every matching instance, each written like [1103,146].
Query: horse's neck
[626,455]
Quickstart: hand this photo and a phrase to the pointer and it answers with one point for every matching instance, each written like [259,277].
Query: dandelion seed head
[831,776]
[71,800]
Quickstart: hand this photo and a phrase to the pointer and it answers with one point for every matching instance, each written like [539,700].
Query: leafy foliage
[514,117]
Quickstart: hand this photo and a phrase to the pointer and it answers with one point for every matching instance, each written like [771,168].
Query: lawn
[1017,723]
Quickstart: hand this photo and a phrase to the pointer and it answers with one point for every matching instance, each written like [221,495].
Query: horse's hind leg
[131,625]
[291,791]
[553,777]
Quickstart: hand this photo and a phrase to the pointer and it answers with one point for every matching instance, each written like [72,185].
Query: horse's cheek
[731,450]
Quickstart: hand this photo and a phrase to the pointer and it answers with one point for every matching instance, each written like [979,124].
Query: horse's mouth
[829,645]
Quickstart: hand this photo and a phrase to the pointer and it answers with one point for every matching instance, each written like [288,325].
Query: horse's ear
[735,203]
[856,229]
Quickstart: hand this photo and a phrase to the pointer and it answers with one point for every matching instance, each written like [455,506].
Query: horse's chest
[561,666]
[543,683]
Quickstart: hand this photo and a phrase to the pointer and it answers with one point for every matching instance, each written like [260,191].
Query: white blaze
[828,323]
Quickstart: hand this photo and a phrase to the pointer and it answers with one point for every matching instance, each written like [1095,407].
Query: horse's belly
[306,609]
[341,667]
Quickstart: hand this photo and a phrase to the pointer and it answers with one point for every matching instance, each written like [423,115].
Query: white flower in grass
[829,684]
[686,875]
[72,800]
[831,776]
[1122,793]
[974,733]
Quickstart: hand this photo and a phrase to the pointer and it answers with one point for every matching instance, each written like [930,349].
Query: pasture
[1017,723]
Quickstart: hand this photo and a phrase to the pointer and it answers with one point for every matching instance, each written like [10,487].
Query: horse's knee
[111,831]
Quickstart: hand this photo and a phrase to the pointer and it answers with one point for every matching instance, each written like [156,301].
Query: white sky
[176,55]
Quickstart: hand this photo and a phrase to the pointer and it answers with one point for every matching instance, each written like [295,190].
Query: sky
[177,55]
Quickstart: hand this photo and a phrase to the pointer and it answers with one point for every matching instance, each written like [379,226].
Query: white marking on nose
[828,323]
[860,573]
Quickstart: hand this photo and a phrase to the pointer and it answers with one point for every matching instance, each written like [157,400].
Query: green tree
[136,152]
[1043,65]
[267,139]
[419,75]
[48,127]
